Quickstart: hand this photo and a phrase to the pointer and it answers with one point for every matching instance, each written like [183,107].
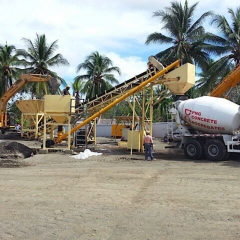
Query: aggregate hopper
[30,106]
[186,79]
[32,117]
[185,76]
[59,107]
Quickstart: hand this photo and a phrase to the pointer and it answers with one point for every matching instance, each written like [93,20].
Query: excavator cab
[54,84]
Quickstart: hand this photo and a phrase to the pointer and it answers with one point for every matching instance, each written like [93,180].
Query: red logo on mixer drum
[197,119]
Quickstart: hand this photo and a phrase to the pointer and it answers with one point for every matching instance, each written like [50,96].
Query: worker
[77,99]
[148,146]
[66,91]
[18,127]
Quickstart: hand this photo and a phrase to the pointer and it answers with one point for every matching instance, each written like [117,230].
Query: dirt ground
[118,196]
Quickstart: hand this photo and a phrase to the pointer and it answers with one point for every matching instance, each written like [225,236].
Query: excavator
[229,82]
[15,88]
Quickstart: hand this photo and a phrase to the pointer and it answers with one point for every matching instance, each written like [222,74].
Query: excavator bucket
[54,84]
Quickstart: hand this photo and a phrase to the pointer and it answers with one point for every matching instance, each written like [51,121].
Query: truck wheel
[193,150]
[215,150]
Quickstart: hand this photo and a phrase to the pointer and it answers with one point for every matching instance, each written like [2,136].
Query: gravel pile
[11,153]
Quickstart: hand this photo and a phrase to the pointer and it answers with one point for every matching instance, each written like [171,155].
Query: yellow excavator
[229,82]
[16,87]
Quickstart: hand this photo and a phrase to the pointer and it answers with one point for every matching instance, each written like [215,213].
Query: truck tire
[215,150]
[193,150]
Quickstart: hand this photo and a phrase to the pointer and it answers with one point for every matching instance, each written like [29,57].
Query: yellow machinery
[32,117]
[116,130]
[183,77]
[122,122]
[229,82]
[178,79]
[61,109]
[16,87]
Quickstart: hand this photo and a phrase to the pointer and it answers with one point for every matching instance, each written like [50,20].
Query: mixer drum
[210,114]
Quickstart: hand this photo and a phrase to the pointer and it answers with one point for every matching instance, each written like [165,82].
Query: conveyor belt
[121,94]
[102,100]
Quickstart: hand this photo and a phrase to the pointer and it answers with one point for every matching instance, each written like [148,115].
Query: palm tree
[8,66]
[99,74]
[229,40]
[209,78]
[228,47]
[187,38]
[38,58]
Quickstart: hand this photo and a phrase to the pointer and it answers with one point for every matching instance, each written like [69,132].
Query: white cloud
[117,28]
[130,66]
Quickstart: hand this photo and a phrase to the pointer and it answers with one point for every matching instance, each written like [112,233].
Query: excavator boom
[16,87]
[229,82]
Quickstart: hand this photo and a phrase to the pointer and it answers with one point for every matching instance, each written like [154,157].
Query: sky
[117,29]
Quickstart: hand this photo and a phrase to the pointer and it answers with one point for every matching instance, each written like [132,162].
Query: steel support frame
[45,137]
[35,118]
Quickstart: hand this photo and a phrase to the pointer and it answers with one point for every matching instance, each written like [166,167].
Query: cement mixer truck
[208,127]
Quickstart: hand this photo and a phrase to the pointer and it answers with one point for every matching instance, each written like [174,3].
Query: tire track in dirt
[121,226]
[146,185]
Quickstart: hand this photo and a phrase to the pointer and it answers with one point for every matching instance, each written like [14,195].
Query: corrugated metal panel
[159,129]
[104,130]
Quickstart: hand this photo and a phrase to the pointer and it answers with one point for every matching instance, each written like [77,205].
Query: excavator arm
[229,82]
[16,87]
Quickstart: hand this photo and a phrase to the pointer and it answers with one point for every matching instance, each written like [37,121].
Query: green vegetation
[188,41]
[38,58]
[99,75]
[9,62]
[186,36]
[183,35]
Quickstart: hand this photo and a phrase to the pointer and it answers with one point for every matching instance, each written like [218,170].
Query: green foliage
[160,113]
[15,113]
[99,75]
[189,42]
[38,58]
[121,109]
[228,45]
[229,39]
[160,110]
[8,66]
[77,89]
[186,36]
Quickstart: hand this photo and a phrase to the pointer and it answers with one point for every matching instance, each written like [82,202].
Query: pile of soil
[11,154]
